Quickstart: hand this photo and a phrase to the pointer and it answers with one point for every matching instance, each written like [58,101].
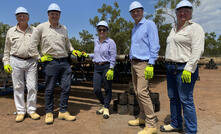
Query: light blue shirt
[145,41]
[104,52]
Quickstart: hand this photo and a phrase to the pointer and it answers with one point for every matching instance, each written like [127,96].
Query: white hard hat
[21,10]
[135,5]
[54,7]
[184,3]
[102,23]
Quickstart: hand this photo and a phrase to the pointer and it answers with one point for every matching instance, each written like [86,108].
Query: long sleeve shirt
[17,43]
[104,52]
[53,41]
[145,41]
[186,45]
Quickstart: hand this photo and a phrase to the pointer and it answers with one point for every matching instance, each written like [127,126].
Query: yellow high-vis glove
[46,57]
[110,74]
[84,54]
[8,68]
[186,76]
[76,53]
[148,73]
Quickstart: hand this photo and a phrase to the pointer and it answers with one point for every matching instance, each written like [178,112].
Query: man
[143,53]
[185,45]
[55,47]
[22,66]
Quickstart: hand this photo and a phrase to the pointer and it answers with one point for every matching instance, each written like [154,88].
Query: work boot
[34,116]
[49,118]
[20,117]
[136,122]
[101,110]
[148,130]
[106,113]
[66,116]
[169,128]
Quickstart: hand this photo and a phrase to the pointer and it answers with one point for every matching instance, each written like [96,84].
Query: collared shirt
[53,41]
[104,52]
[186,45]
[145,41]
[17,43]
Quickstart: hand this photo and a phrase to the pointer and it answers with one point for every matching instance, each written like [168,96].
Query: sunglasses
[101,30]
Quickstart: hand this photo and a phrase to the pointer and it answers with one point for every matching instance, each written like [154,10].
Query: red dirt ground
[83,104]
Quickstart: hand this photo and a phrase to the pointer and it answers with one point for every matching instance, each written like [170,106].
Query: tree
[119,28]
[3,31]
[87,43]
[212,46]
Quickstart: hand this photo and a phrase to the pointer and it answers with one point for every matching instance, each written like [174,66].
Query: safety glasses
[102,30]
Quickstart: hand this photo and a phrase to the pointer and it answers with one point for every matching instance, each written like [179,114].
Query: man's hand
[76,53]
[148,72]
[46,57]
[186,76]
[110,74]
[8,68]
[84,54]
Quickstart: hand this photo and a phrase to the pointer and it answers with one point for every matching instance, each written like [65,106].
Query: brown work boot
[34,116]
[49,118]
[20,117]
[106,113]
[148,130]
[66,116]
[136,122]
[101,110]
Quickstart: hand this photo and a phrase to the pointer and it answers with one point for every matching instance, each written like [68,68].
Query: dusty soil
[83,104]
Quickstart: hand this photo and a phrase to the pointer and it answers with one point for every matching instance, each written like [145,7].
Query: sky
[76,13]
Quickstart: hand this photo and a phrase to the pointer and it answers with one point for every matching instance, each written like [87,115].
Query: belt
[138,60]
[175,63]
[61,59]
[27,58]
[101,63]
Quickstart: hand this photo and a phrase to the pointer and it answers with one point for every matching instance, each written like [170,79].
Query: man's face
[184,14]
[137,14]
[53,17]
[22,18]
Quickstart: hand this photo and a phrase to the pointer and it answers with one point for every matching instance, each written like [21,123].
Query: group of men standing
[21,55]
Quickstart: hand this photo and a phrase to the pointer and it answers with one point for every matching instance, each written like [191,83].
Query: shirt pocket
[183,38]
[14,40]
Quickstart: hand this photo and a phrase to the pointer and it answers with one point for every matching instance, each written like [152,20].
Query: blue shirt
[145,41]
[104,52]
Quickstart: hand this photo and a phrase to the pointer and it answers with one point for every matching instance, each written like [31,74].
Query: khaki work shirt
[186,45]
[53,41]
[17,43]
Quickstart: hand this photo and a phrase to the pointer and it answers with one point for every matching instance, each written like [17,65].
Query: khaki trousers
[142,92]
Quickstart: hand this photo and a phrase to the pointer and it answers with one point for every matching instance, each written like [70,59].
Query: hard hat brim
[54,11]
[136,8]
[184,7]
[21,13]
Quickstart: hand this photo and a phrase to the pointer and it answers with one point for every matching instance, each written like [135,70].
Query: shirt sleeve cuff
[151,61]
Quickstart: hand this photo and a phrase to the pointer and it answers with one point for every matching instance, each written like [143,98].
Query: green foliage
[3,31]
[119,28]
[212,45]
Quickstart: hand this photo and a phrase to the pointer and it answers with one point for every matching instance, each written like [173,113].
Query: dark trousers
[181,97]
[99,77]
[57,71]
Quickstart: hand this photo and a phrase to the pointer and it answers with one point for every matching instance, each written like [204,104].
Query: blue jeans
[57,71]
[181,97]
[99,78]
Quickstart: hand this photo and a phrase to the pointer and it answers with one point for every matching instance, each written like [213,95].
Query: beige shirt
[186,45]
[17,43]
[53,41]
